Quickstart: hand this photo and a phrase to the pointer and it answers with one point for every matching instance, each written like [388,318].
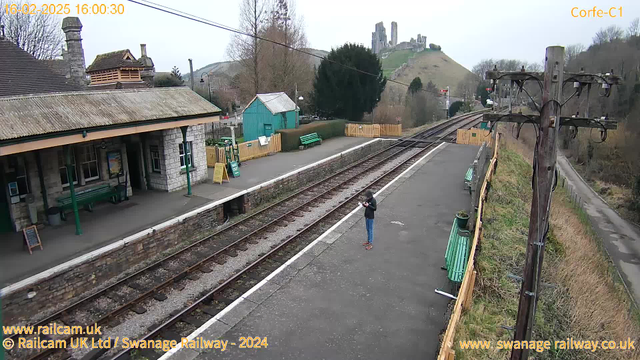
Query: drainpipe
[72,192]
[186,157]
[43,189]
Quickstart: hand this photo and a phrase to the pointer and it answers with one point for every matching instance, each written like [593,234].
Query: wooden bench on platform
[88,197]
[310,139]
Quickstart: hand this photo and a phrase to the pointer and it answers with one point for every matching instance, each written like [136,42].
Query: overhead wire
[204,21]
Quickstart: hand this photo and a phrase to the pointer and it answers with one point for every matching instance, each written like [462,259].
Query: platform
[109,223]
[339,301]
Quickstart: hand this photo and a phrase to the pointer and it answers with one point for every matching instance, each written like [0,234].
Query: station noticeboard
[234,169]
[220,173]
[31,237]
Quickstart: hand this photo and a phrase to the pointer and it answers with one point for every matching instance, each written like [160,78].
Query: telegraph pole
[543,179]
[548,124]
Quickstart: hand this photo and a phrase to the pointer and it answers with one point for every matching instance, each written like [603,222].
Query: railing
[248,150]
[373,130]
[465,293]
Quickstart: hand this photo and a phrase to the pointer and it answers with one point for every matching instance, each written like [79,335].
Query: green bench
[310,139]
[88,197]
[468,177]
[457,253]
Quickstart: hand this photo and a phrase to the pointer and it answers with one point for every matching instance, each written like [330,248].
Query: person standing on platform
[370,206]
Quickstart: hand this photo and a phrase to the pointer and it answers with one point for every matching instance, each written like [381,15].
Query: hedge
[326,129]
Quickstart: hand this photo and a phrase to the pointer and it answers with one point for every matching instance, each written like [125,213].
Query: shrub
[325,129]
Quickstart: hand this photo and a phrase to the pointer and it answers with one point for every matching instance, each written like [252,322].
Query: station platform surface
[340,301]
[109,223]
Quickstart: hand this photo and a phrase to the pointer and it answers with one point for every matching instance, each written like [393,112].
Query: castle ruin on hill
[379,40]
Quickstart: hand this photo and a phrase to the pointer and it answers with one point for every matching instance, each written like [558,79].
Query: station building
[62,140]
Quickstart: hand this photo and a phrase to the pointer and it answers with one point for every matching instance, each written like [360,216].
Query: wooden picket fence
[465,293]
[373,130]
[473,136]
[248,150]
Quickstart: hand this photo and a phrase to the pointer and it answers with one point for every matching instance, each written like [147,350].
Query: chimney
[74,56]
[149,70]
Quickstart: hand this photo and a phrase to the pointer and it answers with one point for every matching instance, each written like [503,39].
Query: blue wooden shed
[267,113]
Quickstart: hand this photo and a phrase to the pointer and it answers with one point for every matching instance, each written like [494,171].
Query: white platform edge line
[256,287]
[125,241]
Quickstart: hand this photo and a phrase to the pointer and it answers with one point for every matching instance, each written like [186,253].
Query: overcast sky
[468,30]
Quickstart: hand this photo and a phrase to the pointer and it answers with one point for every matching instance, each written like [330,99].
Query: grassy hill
[429,65]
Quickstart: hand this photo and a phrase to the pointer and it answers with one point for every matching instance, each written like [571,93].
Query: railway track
[106,306]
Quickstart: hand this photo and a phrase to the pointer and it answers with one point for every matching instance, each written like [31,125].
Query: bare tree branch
[38,34]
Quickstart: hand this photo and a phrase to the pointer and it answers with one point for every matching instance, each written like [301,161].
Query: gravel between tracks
[135,325]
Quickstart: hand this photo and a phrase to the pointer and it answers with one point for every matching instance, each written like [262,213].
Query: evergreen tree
[344,92]
[415,86]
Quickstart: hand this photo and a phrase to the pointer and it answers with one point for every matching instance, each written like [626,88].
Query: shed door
[268,130]
[5,216]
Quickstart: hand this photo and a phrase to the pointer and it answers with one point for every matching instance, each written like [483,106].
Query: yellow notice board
[220,173]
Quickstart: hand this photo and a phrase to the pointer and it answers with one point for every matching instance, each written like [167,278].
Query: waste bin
[121,190]
[53,215]
[33,210]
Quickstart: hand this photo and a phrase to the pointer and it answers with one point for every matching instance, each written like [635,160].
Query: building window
[64,179]
[89,163]
[155,158]
[17,177]
[182,155]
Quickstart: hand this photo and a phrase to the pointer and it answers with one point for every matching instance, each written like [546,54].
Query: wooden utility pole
[548,124]
[543,179]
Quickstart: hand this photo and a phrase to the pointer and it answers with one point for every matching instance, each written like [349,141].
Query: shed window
[64,179]
[155,158]
[182,155]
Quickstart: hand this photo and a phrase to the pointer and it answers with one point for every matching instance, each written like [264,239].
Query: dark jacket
[369,210]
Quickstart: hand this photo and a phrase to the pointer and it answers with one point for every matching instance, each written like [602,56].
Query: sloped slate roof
[21,73]
[24,116]
[276,102]
[113,60]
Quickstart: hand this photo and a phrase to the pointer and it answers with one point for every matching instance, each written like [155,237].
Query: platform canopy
[31,122]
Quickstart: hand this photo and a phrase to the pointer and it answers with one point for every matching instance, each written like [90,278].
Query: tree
[481,91]
[481,68]
[609,34]
[175,72]
[247,50]
[467,86]
[345,92]
[415,86]
[38,34]
[431,88]
[571,53]
[455,107]
[285,68]
[435,47]
[634,28]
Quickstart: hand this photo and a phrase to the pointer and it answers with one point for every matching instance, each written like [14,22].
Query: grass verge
[584,299]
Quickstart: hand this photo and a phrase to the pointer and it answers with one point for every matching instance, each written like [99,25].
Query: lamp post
[208,83]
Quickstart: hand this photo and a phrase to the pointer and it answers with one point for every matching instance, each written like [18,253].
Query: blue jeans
[369,223]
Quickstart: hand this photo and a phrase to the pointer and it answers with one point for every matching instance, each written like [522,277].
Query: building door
[268,130]
[135,169]
[5,216]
